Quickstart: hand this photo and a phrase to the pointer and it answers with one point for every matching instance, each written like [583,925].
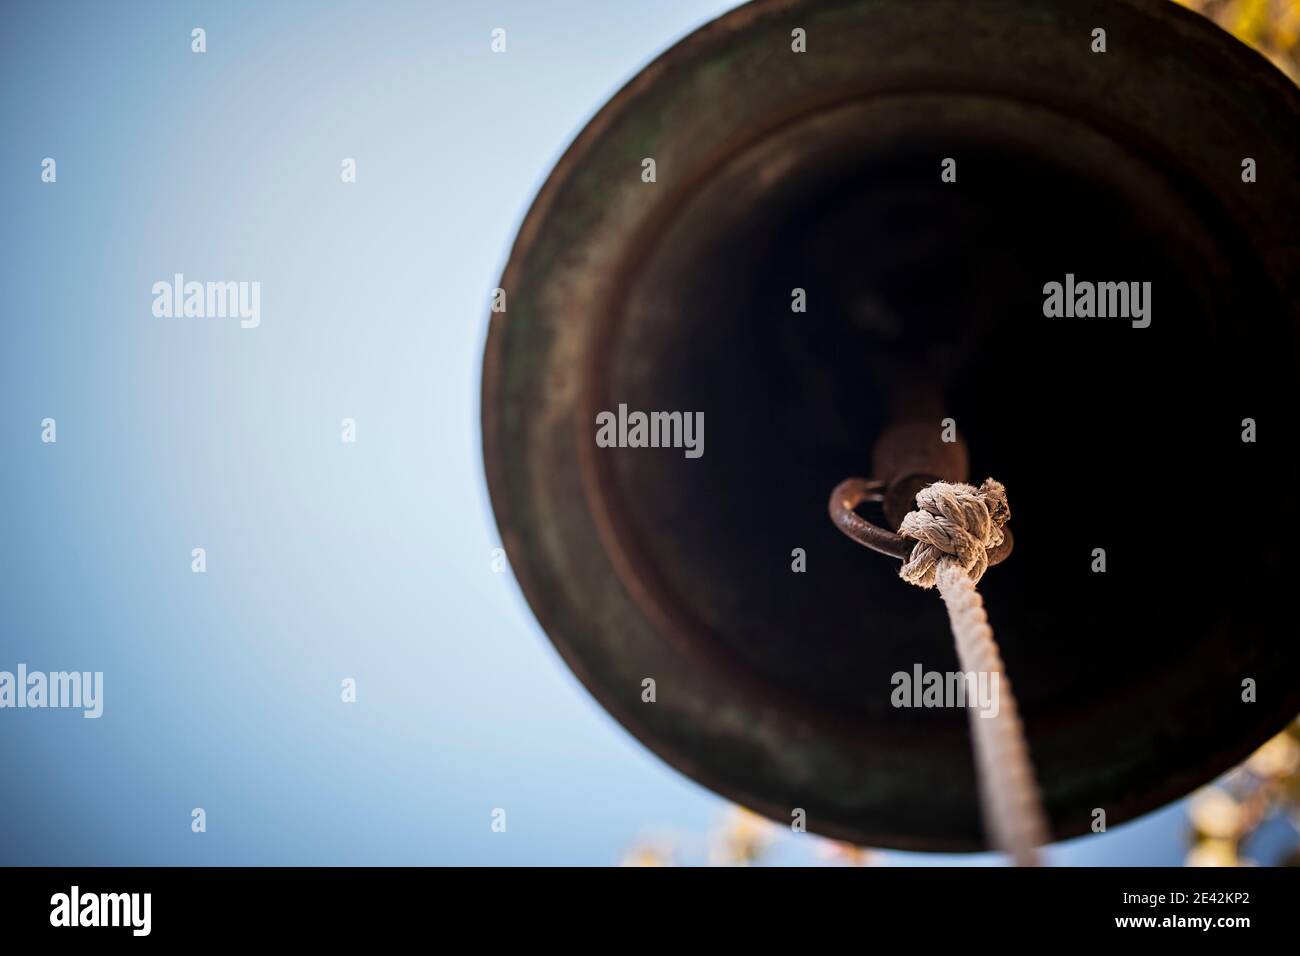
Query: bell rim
[496,464]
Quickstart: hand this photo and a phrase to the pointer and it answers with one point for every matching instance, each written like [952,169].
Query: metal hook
[852,492]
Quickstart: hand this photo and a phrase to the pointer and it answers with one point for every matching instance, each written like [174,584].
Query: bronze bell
[777,171]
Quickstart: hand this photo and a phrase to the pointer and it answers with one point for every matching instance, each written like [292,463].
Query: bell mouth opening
[772,637]
[922,299]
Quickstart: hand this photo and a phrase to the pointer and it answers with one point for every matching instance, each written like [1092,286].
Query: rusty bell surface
[798,272]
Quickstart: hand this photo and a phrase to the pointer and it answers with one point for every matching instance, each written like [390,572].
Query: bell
[841,259]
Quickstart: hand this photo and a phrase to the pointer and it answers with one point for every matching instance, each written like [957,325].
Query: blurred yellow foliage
[1270,26]
[648,854]
[1226,814]
[743,838]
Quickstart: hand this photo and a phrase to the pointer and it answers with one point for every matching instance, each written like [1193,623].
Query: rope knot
[955,524]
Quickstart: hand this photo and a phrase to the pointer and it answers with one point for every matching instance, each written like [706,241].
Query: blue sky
[325,560]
